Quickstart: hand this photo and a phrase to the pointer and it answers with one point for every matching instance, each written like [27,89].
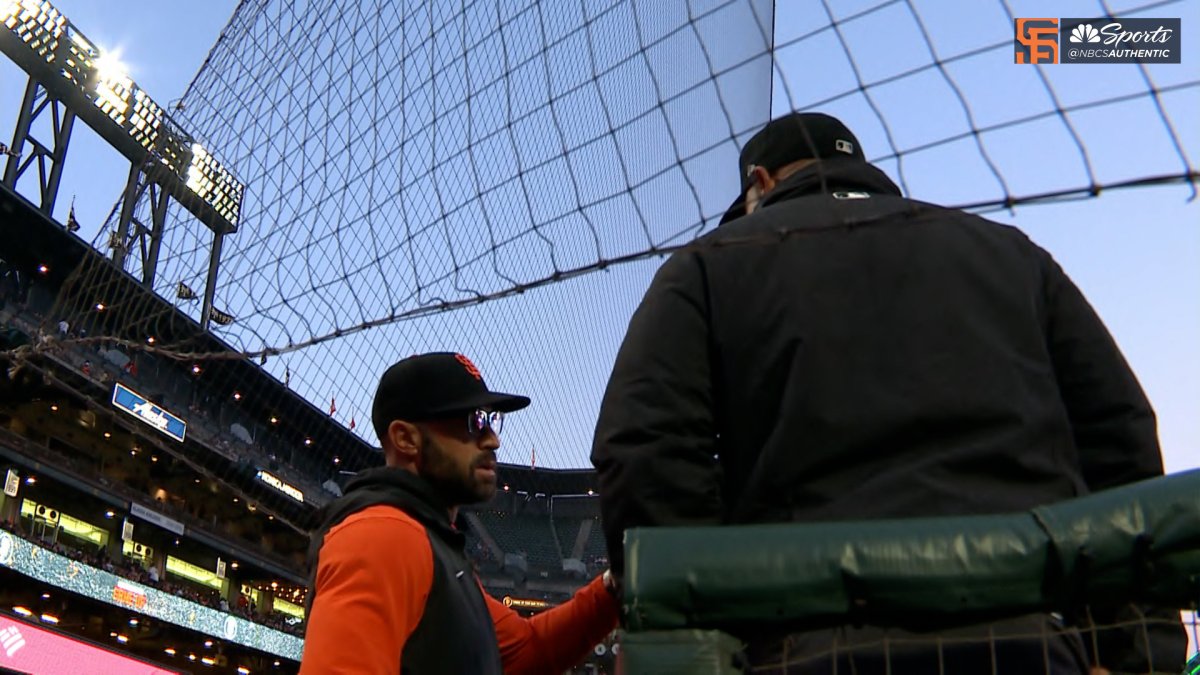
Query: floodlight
[80,59]
[144,121]
[93,82]
[113,88]
[39,27]
[214,184]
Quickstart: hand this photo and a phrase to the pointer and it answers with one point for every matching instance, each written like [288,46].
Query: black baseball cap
[429,386]
[788,139]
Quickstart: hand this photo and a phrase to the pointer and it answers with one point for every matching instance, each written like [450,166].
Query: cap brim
[492,400]
[505,402]
[736,210]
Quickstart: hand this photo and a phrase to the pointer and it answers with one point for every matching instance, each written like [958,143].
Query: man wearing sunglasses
[390,587]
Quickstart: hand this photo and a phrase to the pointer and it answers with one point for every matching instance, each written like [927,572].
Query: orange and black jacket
[391,591]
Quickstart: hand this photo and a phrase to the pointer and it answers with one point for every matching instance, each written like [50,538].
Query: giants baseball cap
[788,139]
[429,386]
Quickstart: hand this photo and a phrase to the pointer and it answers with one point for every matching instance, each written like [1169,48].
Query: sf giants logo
[1037,40]
[466,363]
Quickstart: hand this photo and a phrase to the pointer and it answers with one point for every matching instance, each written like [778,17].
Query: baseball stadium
[222,222]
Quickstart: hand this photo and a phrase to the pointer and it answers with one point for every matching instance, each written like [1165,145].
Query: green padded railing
[1140,542]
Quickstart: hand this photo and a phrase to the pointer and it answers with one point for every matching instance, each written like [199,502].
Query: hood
[394,487]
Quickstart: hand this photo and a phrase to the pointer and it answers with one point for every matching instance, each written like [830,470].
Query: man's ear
[404,440]
[763,180]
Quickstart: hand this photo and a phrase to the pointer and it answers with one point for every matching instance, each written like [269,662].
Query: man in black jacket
[835,351]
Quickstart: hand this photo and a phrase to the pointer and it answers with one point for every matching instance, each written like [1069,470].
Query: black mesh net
[502,179]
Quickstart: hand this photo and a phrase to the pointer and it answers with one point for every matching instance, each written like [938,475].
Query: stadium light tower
[70,77]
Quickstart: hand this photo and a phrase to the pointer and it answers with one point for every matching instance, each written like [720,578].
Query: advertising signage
[129,401]
[28,648]
[60,571]
[277,483]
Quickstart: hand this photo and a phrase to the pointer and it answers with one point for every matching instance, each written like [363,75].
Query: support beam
[21,134]
[35,103]
[210,286]
[135,185]
[131,234]
[159,199]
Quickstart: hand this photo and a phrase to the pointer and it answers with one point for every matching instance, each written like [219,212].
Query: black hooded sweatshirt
[455,633]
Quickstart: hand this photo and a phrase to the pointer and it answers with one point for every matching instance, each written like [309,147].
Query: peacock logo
[1084,32]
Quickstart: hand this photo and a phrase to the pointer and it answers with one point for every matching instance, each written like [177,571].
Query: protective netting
[501,178]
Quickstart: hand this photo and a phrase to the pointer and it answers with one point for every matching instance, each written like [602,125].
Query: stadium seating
[529,534]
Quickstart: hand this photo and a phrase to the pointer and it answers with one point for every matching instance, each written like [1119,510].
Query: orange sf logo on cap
[466,363]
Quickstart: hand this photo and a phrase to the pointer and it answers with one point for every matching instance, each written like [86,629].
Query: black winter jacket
[845,353]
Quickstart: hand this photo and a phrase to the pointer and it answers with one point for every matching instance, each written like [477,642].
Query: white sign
[155,517]
[126,530]
[12,483]
[275,482]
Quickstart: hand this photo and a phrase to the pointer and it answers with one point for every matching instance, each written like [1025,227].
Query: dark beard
[455,488]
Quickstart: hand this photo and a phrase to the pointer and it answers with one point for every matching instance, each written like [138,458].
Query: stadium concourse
[185,546]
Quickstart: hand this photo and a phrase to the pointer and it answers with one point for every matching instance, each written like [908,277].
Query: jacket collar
[830,176]
[824,177]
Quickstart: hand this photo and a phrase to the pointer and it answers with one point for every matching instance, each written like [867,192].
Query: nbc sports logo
[1084,32]
[11,640]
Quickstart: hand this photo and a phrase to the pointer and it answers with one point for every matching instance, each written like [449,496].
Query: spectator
[86,368]
[64,329]
[153,573]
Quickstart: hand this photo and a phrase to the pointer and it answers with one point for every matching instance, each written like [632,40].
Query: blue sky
[1134,253]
